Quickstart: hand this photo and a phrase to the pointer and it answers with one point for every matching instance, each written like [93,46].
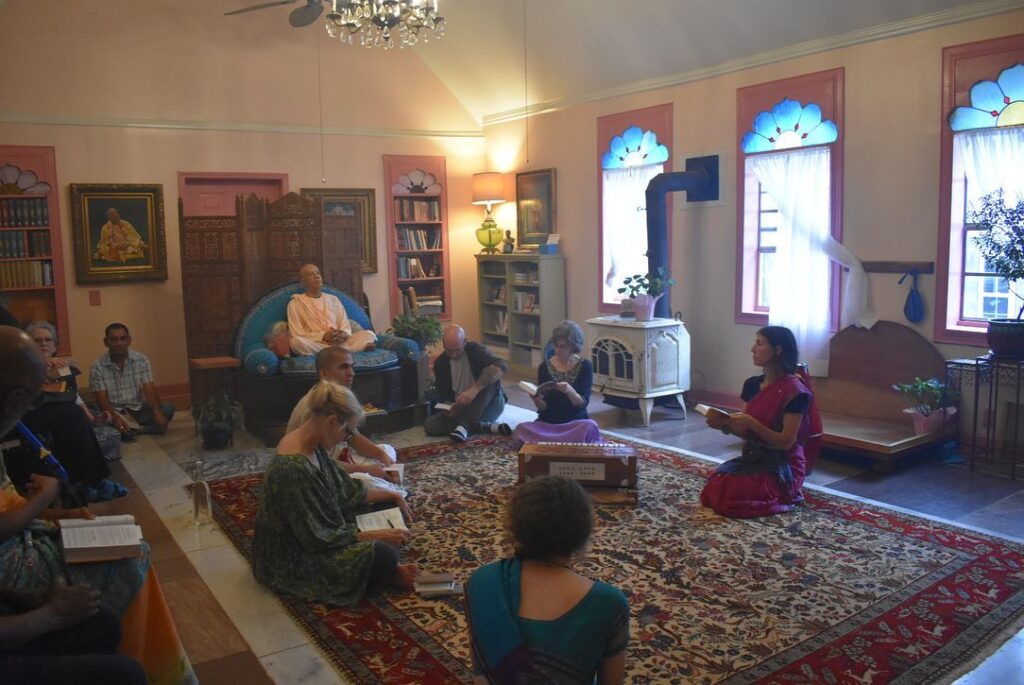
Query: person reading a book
[317,319]
[359,456]
[55,626]
[61,420]
[562,394]
[306,541]
[122,380]
[532,618]
[781,431]
[467,377]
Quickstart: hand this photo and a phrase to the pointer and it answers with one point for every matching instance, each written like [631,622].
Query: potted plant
[1002,246]
[216,418]
[932,403]
[644,290]
[425,330]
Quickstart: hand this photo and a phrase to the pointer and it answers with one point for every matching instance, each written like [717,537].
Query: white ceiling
[579,50]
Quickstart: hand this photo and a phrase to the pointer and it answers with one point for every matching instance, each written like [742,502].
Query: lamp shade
[488,188]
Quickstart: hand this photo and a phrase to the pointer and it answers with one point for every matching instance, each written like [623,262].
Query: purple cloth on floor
[580,430]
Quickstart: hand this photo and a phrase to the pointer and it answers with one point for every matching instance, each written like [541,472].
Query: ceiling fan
[300,16]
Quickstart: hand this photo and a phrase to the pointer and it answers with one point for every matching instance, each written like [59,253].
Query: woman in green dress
[306,542]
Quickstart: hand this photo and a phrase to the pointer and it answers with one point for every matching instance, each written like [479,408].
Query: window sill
[752,318]
[973,336]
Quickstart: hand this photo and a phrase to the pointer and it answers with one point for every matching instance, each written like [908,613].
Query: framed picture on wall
[352,210]
[118,231]
[535,206]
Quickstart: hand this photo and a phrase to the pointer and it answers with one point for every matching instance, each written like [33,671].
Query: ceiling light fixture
[384,23]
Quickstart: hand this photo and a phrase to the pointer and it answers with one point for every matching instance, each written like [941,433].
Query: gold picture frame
[118,232]
[535,206]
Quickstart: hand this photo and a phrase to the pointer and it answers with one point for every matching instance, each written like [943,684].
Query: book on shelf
[103,538]
[381,520]
[706,410]
[437,585]
[534,389]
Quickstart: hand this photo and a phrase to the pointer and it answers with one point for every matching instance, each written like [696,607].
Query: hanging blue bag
[913,309]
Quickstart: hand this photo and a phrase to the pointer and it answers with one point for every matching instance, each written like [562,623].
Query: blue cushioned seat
[273,307]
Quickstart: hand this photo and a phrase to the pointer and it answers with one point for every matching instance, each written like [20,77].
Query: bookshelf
[417,216]
[522,298]
[31,251]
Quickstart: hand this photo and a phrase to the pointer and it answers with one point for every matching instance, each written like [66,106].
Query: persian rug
[833,592]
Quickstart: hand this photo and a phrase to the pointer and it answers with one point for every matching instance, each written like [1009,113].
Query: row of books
[409,209]
[412,267]
[29,211]
[28,274]
[530,276]
[418,239]
[523,302]
[24,244]
[501,321]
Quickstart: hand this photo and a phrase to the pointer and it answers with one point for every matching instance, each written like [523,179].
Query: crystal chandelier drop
[384,23]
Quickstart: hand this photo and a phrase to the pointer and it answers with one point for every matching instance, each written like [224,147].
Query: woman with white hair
[563,392]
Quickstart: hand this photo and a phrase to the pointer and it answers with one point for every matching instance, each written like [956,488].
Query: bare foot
[370,346]
[405,576]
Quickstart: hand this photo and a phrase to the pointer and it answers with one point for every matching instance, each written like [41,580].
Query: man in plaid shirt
[122,380]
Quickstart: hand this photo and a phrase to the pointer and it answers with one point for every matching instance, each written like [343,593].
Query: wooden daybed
[861,412]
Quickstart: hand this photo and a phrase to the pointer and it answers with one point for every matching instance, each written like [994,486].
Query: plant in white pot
[644,290]
[932,403]
[1002,246]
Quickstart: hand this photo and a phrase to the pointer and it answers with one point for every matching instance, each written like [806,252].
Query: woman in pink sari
[781,431]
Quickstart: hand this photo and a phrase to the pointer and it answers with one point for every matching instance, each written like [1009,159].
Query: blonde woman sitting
[306,542]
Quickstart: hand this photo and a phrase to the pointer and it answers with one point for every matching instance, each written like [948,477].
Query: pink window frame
[962,67]
[825,89]
[657,118]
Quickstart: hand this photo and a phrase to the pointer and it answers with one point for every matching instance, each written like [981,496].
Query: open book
[533,389]
[437,585]
[128,419]
[101,539]
[709,411]
[380,520]
[396,468]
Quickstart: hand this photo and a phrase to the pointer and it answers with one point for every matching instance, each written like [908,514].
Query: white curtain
[624,223]
[800,182]
[993,158]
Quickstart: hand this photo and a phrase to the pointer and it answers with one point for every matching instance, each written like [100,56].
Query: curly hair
[548,518]
[570,332]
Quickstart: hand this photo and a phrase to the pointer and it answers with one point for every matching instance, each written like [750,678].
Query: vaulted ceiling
[579,50]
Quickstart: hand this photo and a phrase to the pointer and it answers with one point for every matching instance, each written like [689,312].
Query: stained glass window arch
[994,104]
[634,147]
[789,124]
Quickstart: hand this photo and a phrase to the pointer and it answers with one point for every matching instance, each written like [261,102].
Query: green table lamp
[488,189]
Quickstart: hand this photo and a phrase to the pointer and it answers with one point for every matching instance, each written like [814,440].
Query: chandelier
[384,23]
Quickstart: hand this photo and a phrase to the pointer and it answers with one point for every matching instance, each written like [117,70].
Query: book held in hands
[710,411]
[533,389]
[381,520]
[104,538]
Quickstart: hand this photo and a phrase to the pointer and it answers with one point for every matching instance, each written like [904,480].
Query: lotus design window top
[14,181]
[789,125]
[416,182]
[634,147]
[993,103]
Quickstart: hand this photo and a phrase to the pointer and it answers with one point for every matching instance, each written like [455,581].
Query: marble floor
[259,634]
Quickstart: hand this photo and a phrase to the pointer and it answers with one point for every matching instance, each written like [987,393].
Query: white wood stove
[640,359]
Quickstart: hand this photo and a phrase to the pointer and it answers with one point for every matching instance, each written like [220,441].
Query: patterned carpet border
[937,599]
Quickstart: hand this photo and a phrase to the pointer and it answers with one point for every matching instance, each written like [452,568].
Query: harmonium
[607,471]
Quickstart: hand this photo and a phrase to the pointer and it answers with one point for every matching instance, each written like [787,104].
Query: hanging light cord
[320,107]
[526,95]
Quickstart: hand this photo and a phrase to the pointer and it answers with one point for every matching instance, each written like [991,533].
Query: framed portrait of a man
[118,232]
[535,206]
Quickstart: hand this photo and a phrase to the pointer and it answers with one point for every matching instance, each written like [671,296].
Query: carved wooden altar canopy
[229,262]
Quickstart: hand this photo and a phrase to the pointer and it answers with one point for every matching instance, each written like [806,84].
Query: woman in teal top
[532,618]
[306,543]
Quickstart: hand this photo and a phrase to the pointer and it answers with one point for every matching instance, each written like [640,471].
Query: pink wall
[892,98]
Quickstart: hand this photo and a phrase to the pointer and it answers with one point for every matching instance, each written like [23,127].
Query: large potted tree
[1002,246]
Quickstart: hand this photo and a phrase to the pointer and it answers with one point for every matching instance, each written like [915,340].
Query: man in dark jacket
[468,377]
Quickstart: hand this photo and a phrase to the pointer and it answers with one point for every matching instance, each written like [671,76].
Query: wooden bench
[861,413]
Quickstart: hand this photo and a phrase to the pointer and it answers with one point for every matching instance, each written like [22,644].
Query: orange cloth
[309,318]
[150,637]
